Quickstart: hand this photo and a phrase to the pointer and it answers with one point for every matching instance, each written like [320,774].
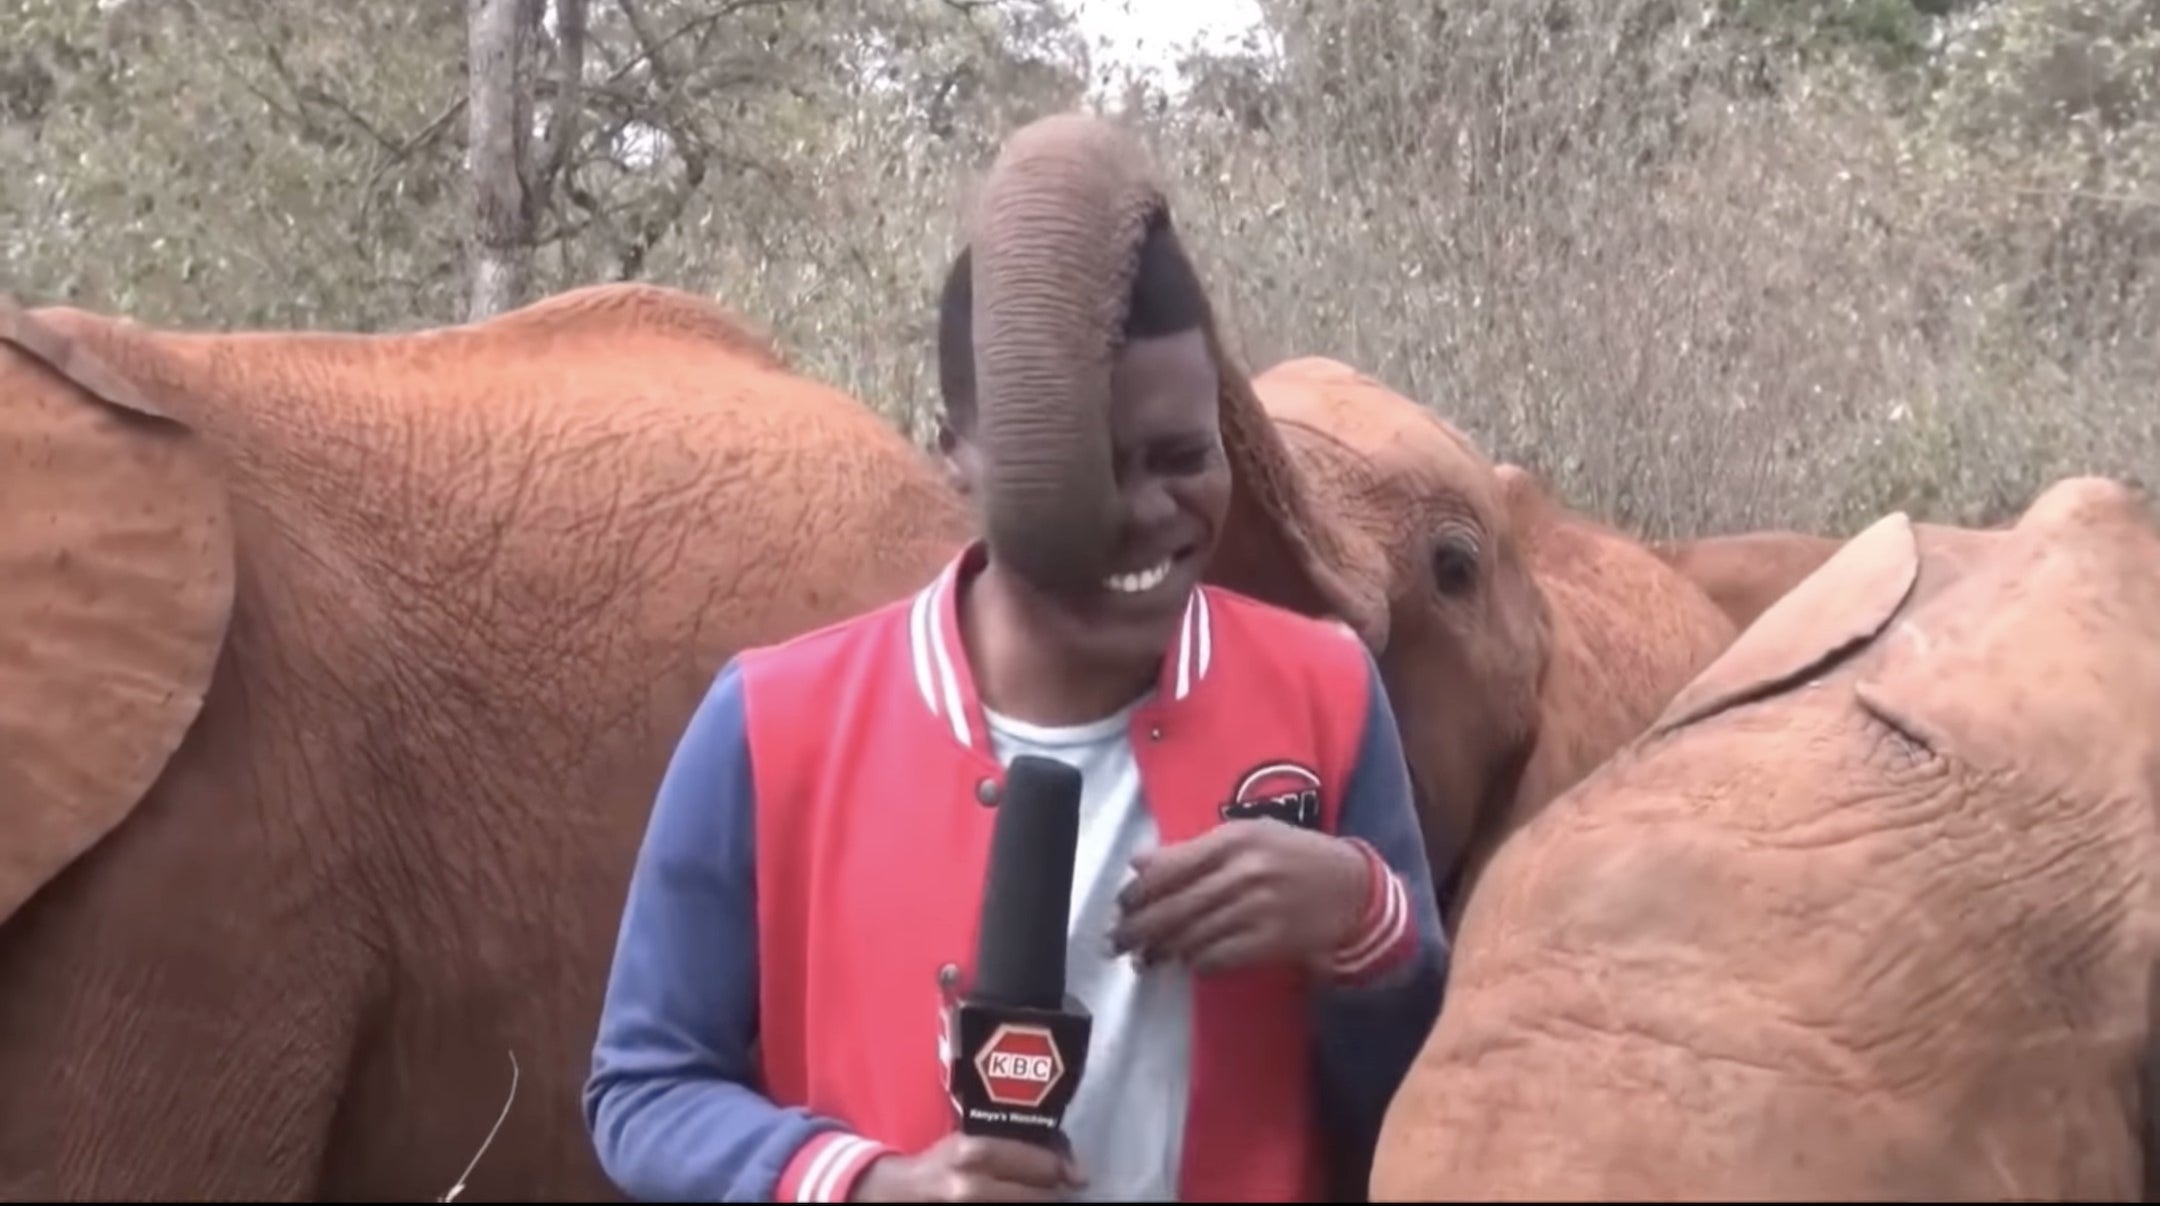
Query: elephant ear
[1833,611]
[1284,542]
[1298,535]
[116,551]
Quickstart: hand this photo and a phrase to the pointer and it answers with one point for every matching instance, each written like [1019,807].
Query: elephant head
[1418,510]
[1866,915]
[1054,244]
[1525,642]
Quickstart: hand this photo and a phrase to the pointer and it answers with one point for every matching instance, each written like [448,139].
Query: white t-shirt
[1127,1119]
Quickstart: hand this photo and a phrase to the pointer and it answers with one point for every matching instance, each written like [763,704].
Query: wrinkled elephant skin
[334,706]
[1868,914]
[1525,642]
[1745,572]
[356,662]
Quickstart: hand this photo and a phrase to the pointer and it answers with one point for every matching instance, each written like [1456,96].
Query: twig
[459,1188]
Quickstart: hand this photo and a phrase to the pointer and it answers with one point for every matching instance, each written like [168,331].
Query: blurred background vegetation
[1704,264]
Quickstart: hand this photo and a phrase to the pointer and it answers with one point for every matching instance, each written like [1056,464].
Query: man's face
[1173,486]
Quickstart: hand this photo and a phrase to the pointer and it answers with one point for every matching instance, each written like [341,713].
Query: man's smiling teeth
[1146,580]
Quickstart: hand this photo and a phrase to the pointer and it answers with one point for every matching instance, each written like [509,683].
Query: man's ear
[959,458]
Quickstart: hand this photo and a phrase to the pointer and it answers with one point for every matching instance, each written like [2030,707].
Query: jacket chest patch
[1279,789]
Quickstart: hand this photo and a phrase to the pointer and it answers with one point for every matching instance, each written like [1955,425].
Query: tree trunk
[499,135]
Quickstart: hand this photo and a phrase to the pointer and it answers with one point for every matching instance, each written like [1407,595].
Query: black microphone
[1017,1044]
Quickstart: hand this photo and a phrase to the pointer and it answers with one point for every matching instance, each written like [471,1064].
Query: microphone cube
[1014,1069]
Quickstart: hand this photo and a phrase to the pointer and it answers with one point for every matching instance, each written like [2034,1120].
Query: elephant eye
[1455,564]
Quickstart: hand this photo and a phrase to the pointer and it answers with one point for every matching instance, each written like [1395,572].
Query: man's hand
[971,1168]
[1246,892]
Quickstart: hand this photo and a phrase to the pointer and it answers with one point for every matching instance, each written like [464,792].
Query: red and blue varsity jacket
[816,854]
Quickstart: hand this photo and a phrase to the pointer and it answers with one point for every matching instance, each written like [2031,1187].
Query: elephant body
[1745,572]
[357,660]
[1627,634]
[348,687]
[1867,914]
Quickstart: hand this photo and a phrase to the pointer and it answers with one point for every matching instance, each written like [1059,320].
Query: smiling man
[1253,929]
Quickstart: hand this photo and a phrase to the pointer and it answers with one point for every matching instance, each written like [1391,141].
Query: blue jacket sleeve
[1372,1025]
[672,1102]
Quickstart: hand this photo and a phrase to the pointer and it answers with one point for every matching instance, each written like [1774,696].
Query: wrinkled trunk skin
[1059,226]
[1048,506]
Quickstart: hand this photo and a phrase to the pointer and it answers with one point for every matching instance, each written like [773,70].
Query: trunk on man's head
[1056,242]
[1055,249]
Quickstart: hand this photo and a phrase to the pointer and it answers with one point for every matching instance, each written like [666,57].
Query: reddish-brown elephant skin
[1868,914]
[337,677]
[337,673]
[1745,572]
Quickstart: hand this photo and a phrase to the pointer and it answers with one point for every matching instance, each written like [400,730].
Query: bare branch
[661,219]
[420,139]
[698,26]
[567,105]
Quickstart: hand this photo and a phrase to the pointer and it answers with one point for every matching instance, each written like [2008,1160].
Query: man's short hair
[1166,300]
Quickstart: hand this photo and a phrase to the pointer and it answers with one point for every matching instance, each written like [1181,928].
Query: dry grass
[1696,282]
[455,1191]
[1697,296]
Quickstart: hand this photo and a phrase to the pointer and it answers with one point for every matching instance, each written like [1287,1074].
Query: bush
[1704,264]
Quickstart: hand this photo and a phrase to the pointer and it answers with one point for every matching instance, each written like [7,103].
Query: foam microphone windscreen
[1027,896]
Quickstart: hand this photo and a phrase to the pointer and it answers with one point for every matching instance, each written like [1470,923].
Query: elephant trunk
[1055,247]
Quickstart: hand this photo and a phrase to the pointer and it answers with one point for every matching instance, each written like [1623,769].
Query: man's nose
[1149,503]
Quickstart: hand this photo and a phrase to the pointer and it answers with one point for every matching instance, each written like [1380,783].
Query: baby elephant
[1866,915]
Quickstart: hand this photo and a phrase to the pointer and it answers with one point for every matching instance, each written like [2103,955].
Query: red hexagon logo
[1020,1065]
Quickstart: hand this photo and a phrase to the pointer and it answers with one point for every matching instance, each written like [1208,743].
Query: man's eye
[1183,461]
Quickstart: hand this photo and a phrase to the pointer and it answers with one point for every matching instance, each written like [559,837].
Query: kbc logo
[1020,1065]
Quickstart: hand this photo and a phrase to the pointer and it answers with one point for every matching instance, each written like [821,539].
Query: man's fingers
[1069,1161]
[1235,947]
[1168,869]
[1157,922]
[1239,916]
[1011,1160]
